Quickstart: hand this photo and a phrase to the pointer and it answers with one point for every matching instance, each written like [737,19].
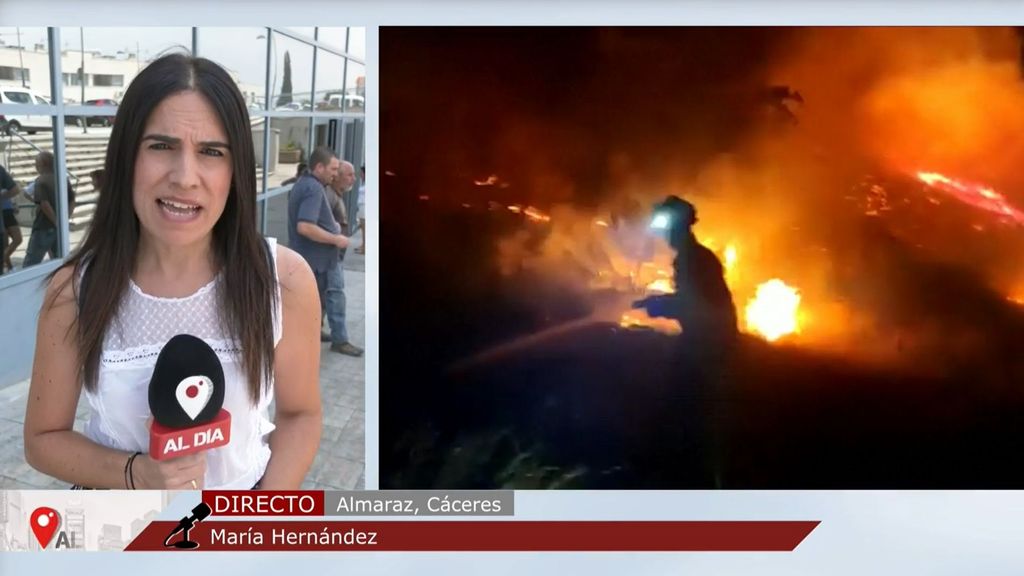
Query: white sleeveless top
[120,404]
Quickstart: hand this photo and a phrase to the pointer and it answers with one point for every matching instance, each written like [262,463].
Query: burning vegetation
[866,205]
[796,207]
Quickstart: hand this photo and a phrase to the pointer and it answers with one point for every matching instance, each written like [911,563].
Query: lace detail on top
[144,323]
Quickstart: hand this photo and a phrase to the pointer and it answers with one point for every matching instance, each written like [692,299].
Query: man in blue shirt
[316,236]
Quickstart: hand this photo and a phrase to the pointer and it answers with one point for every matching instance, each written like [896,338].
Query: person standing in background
[43,239]
[316,235]
[362,208]
[8,190]
[340,185]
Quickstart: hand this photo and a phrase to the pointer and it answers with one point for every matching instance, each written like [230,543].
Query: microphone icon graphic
[199,513]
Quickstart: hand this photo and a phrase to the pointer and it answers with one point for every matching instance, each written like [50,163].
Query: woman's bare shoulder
[60,290]
[293,273]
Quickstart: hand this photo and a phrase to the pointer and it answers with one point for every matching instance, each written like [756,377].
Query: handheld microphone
[186,393]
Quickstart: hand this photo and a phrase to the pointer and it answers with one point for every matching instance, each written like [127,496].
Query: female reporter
[173,248]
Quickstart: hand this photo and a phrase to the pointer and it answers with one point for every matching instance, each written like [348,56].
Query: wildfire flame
[536,215]
[976,195]
[661,286]
[772,312]
[639,319]
[730,257]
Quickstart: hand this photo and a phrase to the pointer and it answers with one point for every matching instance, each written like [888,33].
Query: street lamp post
[21,59]
[273,49]
[81,79]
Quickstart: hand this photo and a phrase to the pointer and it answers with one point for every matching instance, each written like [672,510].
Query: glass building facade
[59,90]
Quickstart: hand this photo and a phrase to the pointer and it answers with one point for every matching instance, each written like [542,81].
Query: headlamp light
[661,221]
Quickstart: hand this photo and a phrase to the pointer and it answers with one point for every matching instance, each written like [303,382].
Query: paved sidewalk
[339,463]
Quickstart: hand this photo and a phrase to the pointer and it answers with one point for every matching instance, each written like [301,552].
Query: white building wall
[38,65]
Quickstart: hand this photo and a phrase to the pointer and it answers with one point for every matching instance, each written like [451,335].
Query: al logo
[45,523]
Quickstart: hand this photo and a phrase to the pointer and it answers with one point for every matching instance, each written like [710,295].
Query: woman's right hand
[172,474]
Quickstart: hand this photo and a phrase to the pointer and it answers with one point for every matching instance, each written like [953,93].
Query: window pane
[35,214]
[85,140]
[292,74]
[277,219]
[333,36]
[355,87]
[258,125]
[289,147]
[306,31]
[100,63]
[357,42]
[243,52]
[25,59]
[329,75]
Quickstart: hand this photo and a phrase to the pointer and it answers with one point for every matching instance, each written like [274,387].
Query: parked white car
[334,102]
[28,123]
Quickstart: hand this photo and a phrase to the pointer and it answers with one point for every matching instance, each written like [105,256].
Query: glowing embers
[973,194]
[731,259]
[535,214]
[773,311]
[492,180]
[661,286]
[531,213]
[639,320]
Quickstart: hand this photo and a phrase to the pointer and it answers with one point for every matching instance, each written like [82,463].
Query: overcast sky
[239,49]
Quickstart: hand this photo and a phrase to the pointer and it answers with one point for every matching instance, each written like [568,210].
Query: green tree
[285,97]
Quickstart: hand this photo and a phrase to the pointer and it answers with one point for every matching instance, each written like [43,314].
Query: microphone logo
[199,513]
[193,394]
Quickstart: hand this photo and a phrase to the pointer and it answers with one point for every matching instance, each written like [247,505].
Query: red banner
[481,536]
[276,503]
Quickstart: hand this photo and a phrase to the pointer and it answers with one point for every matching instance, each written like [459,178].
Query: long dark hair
[110,248]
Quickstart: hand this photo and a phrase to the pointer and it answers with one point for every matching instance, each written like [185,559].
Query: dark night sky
[470,101]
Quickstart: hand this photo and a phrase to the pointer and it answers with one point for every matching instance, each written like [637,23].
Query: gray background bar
[419,503]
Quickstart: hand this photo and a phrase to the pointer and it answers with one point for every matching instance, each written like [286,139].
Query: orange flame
[972,194]
[536,215]
[772,312]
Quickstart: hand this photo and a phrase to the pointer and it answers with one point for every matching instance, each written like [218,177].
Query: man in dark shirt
[316,236]
[44,229]
[8,189]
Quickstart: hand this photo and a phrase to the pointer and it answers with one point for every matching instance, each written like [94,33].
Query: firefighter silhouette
[691,410]
[702,302]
